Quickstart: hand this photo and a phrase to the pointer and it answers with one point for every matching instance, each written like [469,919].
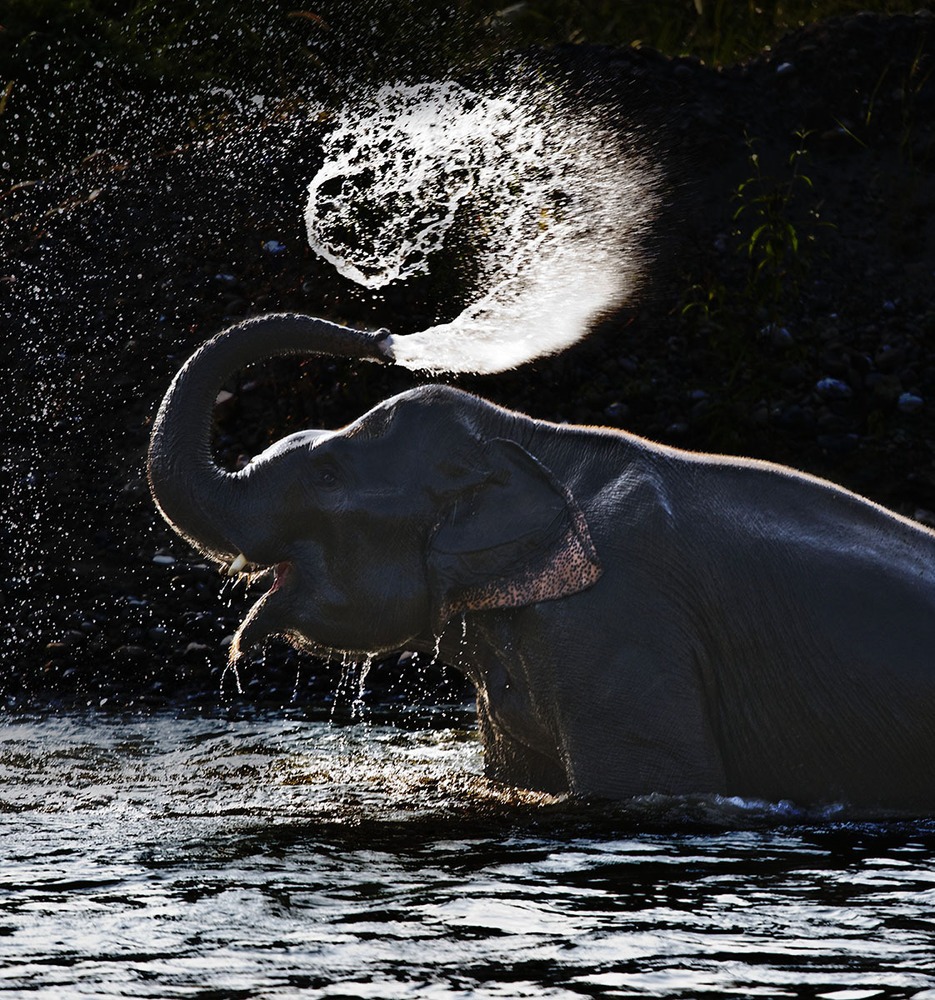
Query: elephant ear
[514,537]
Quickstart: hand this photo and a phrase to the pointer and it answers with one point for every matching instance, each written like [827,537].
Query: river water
[276,855]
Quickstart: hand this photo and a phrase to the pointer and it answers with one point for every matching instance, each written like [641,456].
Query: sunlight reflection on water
[271,857]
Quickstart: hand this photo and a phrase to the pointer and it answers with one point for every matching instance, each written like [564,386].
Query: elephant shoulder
[637,497]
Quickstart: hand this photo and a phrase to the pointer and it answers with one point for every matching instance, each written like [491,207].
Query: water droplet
[358,706]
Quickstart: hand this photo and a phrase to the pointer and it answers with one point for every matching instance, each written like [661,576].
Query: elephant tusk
[237,565]
[385,341]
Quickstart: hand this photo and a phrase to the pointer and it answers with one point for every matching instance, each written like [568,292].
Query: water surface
[189,856]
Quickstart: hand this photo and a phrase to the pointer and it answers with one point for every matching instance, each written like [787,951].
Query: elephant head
[426,507]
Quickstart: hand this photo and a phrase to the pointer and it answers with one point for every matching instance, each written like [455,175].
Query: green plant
[740,304]
[910,85]
[772,231]
[917,76]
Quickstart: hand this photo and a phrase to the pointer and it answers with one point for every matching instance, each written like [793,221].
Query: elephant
[636,619]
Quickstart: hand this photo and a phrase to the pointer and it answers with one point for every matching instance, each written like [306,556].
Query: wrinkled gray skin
[635,618]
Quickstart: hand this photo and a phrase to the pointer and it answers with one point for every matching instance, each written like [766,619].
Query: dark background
[788,313]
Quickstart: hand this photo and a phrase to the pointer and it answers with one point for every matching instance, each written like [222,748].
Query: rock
[796,418]
[683,72]
[834,423]
[777,335]
[838,444]
[793,376]
[909,402]
[833,389]
[885,388]
[132,652]
[887,358]
[196,652]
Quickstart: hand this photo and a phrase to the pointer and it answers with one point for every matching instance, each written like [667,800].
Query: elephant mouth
[257,624]
[243,569]
[281,573]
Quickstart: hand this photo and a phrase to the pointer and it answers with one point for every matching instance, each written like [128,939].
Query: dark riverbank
[819,352]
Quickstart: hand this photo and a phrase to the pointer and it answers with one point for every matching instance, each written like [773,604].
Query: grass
[175,40]
[719,32]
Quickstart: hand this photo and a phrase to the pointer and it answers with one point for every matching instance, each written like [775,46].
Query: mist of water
[549,202]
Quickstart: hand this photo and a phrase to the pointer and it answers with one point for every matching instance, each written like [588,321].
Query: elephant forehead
[292,442]
[430,417]
[375,465]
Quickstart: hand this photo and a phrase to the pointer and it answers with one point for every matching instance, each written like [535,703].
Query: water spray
[555,198]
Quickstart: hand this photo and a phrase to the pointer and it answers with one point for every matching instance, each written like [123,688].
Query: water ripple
[268,857]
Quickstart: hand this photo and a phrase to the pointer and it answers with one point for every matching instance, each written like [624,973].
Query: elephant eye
[326,475]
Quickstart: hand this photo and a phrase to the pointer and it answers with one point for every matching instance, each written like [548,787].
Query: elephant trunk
[204,502]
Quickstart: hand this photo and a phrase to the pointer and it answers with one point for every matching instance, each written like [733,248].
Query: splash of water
[550,201]
[359,705]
